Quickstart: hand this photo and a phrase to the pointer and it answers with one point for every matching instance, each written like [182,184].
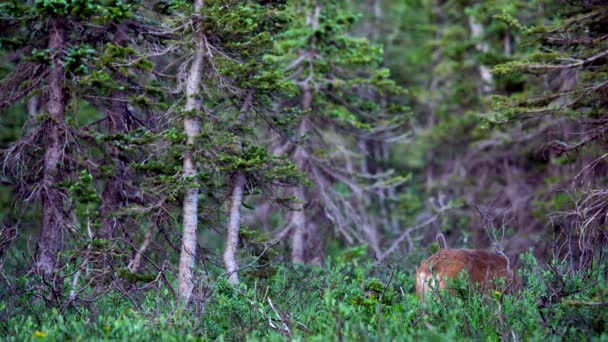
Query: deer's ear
[440,238]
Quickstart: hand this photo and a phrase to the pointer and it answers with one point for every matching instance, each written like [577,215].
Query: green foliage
[260,58]
[167,7]
[40,56]
[580,27]
[83,190]
[269,168]
[241,87]
[62,7]
[100,10]
[76,58]
[349,82]
[508,19]
[131,277]
[352,255]
[118,56]
[353,300]
[174,135]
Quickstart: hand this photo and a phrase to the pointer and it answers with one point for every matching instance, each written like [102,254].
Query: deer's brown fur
[481,267]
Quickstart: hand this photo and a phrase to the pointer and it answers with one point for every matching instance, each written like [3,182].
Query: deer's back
[482,268]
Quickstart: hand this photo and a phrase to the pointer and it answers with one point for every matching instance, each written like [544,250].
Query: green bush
[350,301]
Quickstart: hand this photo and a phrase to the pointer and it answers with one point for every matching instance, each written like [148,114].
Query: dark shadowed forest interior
[278,170]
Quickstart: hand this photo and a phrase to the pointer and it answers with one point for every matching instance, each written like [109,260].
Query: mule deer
[481,267]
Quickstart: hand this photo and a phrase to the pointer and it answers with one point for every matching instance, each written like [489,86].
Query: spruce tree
[344,95]
[61,159]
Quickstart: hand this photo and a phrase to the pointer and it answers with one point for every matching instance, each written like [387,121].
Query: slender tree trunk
[485,77]
[136,262]
[297,220]
[234,207]
[507,44]
[53,215]
[32,105]
[364,201]
[234,221]
[381,152]
[434,100]
[190,205]
[374,150]
[85,262]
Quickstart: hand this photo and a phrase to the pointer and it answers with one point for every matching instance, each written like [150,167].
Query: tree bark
[53,215]
[297,220]
[485,77]
[32,105]
[234,219]
[136,262]
[434,101]
[190,204]
[364,201]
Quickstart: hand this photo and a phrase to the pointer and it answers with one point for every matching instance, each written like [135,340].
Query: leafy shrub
[353,300]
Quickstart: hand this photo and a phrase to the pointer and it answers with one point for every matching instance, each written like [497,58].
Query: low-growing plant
[352,301]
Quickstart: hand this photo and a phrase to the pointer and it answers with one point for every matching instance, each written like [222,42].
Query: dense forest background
[278,169]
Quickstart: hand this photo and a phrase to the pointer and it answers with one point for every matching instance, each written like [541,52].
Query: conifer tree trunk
[234,221]
[297,218]
[364,201]
[53,216]
[434,95]
[32,105]
[190,204]
[485,77]
[234,208]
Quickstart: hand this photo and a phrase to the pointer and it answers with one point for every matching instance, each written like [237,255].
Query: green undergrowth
[345,301]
